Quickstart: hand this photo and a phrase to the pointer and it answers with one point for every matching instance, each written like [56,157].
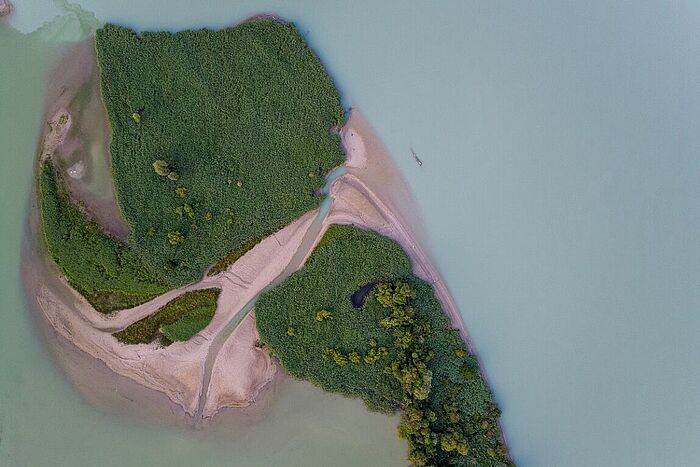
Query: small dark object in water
[415,156]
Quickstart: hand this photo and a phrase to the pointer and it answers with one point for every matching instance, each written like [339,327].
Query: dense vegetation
[178,320]
[397,351]
[218,137]
[105,271]
[189,324]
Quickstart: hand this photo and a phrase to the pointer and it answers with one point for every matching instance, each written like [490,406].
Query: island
[208,215]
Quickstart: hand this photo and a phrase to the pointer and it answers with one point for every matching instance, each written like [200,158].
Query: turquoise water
[560,193]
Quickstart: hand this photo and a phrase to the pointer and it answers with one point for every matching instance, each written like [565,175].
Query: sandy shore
[374,196]
[238,370]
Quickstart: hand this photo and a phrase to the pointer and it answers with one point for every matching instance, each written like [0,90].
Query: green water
[46,421]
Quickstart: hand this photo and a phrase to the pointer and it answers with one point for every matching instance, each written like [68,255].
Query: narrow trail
[295,263]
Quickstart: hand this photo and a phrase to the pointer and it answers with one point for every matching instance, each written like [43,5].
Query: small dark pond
[358,298]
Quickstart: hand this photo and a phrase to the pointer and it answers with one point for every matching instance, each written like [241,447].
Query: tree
[175,238]
[323,315]
[161,167]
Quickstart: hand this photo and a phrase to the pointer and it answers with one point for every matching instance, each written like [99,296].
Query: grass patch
[218,137]
[108,273]
[401,356]
[176,318]
[189,324]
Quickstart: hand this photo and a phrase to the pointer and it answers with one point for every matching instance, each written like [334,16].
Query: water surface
[560,194]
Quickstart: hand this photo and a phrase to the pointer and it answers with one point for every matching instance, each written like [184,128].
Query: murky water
[560,193]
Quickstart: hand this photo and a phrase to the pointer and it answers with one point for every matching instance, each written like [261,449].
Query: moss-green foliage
[397,351]
[189,324]
[241,115]
[176,318]
[345,260]
[108,273]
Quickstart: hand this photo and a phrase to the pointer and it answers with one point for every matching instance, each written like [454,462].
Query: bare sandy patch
[239,368]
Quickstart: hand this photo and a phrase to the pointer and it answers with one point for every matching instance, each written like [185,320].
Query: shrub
[161,167]
[175,238]
[323,315]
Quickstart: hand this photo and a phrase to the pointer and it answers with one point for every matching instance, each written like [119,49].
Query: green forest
[395,349]
[108,273]
[218,138]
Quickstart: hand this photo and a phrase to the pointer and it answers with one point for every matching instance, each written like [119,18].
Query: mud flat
[76,135]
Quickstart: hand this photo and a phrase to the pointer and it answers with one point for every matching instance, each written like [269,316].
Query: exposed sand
[239,368]
[354,146]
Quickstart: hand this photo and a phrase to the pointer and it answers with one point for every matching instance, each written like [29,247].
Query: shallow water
[560,193]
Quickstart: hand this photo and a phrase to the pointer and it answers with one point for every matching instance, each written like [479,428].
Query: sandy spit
[238,370]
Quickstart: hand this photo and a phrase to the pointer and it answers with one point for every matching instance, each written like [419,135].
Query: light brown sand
[238,369]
